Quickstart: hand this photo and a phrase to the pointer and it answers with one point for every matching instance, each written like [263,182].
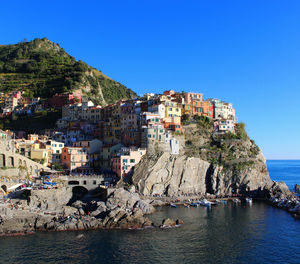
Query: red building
[59,100]
[99,131]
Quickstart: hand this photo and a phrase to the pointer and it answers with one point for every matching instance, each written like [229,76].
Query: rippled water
[224,234]
[285,170]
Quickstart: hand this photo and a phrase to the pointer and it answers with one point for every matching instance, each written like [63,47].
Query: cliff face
[178,174]
[207,164]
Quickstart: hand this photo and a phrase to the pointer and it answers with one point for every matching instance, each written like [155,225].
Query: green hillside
[42,68]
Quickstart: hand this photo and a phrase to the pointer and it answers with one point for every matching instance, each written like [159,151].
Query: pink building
[126,159]
[189,97]
[75,158]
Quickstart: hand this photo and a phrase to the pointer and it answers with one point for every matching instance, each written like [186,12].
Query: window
[124,160]
[84,182]
[132,161]
[65,157]
[94,182]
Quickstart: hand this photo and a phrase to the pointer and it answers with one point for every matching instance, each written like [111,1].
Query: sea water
[232,233]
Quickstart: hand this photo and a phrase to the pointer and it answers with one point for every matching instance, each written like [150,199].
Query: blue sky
[245,52]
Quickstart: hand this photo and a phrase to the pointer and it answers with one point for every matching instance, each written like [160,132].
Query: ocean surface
[224,234]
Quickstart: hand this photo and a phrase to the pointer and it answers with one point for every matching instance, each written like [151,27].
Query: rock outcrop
[50,210]
[172,175]
[207,164]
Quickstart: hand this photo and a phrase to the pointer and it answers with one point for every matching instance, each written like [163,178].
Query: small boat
[204,202]
[223,201]
[235,200]
[194,204]
[187,205]
[173,205]
[248,200]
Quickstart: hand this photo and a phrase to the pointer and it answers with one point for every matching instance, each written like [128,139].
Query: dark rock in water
[168,222]
[297,188]
[277,189]
[179,222]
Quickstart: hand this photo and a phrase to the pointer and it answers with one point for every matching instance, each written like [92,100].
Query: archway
[78,193]
[2,160]
[10,162]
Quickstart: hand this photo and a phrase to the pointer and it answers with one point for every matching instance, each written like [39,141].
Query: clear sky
[245,52]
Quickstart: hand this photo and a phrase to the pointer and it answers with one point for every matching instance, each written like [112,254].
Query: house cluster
[92,139]
[16,103]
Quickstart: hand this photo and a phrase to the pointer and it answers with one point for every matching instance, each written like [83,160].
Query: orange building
[202,108]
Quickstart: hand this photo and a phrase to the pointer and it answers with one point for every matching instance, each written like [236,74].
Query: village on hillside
[91,139]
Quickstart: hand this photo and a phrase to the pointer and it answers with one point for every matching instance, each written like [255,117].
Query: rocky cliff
[53,210]
[207,164]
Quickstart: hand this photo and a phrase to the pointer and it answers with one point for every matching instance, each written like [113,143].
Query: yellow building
[40,155]
[172,109]
[187,109]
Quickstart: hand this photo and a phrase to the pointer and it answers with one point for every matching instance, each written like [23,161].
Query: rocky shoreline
[113,208]
[50,210]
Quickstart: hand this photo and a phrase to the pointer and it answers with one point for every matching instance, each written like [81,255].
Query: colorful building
[189,97]
[224,126]
[75,158]
[123,163]
[59,100]
[203,108]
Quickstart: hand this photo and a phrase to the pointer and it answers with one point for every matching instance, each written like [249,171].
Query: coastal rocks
[145,206]
[291,203]
[52,200]
[276,189]
[168,223]
[50,210]
[297,188]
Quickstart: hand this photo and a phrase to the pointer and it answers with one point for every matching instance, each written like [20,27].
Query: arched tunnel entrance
[78,193]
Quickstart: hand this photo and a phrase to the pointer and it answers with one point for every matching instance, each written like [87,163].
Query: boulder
[179,222]
[68,210]
[51,200]
[145,206]
[81,211]
[168,222]
[297,188]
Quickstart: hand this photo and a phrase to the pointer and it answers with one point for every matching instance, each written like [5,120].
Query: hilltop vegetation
[232,151]
[42,68]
